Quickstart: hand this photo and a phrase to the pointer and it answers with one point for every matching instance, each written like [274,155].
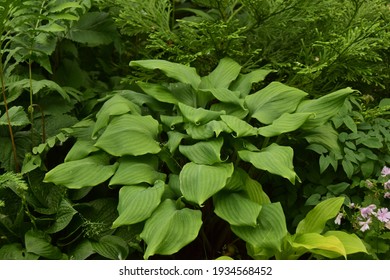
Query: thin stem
[11,134]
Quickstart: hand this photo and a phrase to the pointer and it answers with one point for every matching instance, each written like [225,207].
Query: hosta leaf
[130,135]
[227,96]
[352,243]
[236,209]
[200,182]
[171,121]
[115,106]
[206,152]
[209,130]
[285,123]
[199,116]
[244,82]
[317,217]
[271,102]
[158,92]
[174,140]
[39,243]
[111,247]
[239,127]
[179,72]
[87,172]
[326,136]
[169,229]
[275,159]
[17,115]
[316,243]
[136,170]
[137,203]
[270,230]
[221,77]
[80,150]
[324,107]
[64,216]
[230,109]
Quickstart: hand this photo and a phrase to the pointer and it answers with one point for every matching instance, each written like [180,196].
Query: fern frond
[13,180]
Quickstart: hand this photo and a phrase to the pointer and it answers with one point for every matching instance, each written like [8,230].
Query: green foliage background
[237,117]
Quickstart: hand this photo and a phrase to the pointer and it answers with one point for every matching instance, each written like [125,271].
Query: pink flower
[387,195]
[383,215]
[337,221]
[367,211]
[365,225]
[385,171]
[387,225]
[351,205]
[387,185]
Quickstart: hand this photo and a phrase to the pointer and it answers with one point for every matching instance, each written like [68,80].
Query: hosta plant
[184,158]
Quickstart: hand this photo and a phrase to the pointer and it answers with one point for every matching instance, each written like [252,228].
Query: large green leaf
[316,243]
[236,209]
[324,107]
[93,29]
[324,135]
[64,216]
[317,217]
[209,130]
[170,228]
[199,116]
[352,244]
[221,77]
[111,247]
[179,72]
[80,150]
[137,203]
[200,182]
[159,92]
[130,135]
[244,82]
[136,170]
[275,159]
[269,231]
[285,123]
[271,102]
[239,127]
[205,152]
[115,106]
[17,116]
[87,172]
[227,96]
[39,243]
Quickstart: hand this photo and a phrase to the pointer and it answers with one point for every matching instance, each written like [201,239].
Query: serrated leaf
[115,106]
[112,247]
[136,170]
[270,230]
[236,209]
[275,159]
[15,251]
[137,203]
[169,229]
[271,102]
[181,73]
[315,220]
[324,107]
[17,115]
[285,123]
[205,152]
[130,135]
[64,215]
[87,172]
[199,182]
